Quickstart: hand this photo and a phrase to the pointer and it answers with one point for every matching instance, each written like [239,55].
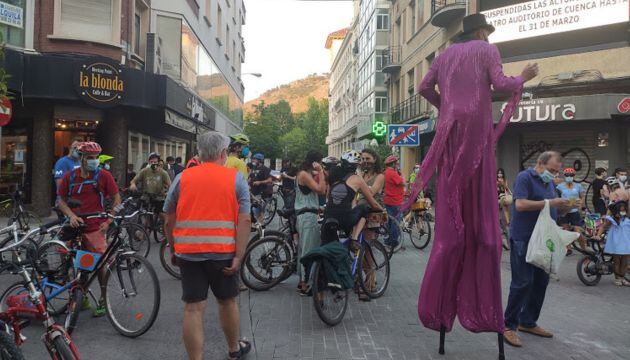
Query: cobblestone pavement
[588,323]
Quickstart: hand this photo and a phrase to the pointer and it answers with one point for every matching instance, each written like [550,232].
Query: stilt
[501,352]
[442,336]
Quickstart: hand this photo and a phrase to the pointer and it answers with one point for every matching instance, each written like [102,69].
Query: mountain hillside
[296,93]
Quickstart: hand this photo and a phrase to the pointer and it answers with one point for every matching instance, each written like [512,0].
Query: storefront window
[12,22]
[13,159]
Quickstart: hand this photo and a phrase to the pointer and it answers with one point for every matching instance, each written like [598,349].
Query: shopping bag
[547,246]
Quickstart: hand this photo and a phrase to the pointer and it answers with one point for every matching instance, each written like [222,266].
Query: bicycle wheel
[165,259]
[62,348]
[132,294]
[281,234]
[28,220]
[329,300]
[270,211]
[266,263]
[16,289]
[587,271]
[420,231]
[74,309]
[136,237]
[373,269]
[8,349]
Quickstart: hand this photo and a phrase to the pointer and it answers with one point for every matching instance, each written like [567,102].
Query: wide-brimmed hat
[476,21]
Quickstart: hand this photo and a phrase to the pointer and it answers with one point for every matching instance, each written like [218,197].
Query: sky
[284,40]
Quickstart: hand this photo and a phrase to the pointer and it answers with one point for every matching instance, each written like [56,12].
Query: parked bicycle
[24,301]
[370,269]
[131,292]
[13,208]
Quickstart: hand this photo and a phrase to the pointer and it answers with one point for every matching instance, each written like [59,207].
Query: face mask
[416,170]
[622,213]
[569,179]
[92,164]
[154,166]
[245,152]
[623,178]
[106,167]
[75,154]
[546,177]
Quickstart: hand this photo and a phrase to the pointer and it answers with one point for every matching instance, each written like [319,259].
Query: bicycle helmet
[154,155]
[391,159]
[569,172]
[104,158]
[351,157]
[89,147]
[239,139]
[330,161]
[611,181]
[259,156]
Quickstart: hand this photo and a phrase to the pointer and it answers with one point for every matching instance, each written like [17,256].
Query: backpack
[93,181]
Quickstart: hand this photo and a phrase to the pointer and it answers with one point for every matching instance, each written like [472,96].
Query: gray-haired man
[208,225]
[529,283]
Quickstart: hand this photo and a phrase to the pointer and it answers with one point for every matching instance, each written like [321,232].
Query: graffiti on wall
[575,157]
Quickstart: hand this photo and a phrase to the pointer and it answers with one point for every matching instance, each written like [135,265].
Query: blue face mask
[245,152]
[568,179]
[106,167]
[546,177]
[92,164]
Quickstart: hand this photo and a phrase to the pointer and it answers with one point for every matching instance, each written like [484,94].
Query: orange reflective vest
[207,210]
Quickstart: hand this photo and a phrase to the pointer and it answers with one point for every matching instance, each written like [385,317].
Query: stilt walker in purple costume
[463,275]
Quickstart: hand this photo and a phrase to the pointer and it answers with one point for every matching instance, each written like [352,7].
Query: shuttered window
[90,19]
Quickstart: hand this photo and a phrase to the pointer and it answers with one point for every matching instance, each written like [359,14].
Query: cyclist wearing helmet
[237,151]
[344,185]
[90,185]
[393,199]
[575,193]
[260,178]
[105,161]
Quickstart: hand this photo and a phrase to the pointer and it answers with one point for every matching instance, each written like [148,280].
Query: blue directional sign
[403,135]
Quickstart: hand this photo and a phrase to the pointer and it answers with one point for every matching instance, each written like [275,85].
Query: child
[618,240]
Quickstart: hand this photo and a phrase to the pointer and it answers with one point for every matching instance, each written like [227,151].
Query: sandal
[364,297]
[244,348]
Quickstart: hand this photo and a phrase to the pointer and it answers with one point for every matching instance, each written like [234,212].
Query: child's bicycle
[595,263]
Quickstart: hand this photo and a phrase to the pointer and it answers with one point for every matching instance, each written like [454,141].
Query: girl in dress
[618,240]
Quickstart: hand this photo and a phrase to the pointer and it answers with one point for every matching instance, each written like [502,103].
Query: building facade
[342,119]
[369,40]
[109,71]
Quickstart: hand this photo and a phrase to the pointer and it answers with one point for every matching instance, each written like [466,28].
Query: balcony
[410,110]
[445,12]
[391,60]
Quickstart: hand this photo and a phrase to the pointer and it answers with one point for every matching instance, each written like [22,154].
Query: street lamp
[253,74]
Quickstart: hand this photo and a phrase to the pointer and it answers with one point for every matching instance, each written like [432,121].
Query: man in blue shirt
[529,283]
[67,163]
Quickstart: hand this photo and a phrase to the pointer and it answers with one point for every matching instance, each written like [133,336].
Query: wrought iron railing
[413,108]
[391,57]
[439,4]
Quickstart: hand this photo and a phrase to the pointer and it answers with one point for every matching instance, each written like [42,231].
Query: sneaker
[101,310]
[86,305]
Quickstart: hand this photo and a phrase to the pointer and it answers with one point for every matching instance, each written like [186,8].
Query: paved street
[589,323]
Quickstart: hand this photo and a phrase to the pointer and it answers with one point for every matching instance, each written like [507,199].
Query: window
[382,22]
[208,12]
[219,25]
[140,28]
[13,33]
[136,37]
[412,23]
[96,20]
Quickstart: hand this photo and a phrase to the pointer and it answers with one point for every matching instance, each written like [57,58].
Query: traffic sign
[403,135]
[6,111]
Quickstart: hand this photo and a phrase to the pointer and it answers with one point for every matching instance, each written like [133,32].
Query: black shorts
[197,276]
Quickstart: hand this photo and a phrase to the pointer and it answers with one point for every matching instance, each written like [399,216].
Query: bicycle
[272,258]
[14,209]
[122,286]
[368,259]
[28,302]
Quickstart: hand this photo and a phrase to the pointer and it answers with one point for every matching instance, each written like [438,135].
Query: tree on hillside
[293,145]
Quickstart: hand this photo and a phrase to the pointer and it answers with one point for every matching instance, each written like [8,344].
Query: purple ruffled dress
[463,276]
